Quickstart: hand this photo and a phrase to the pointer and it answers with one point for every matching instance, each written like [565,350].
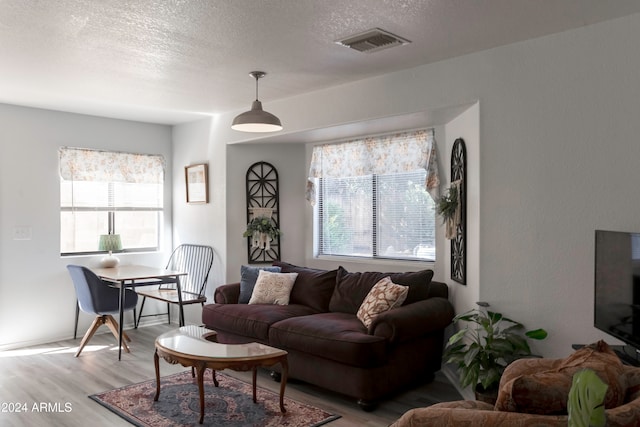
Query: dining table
[132,276]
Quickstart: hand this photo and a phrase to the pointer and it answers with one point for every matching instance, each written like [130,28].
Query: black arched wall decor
[263,192]
[459,243]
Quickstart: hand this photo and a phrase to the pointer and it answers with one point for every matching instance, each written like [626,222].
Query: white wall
[205,224]
[559,159]
[37,298]
[286,160]
[555,159]
[467,127]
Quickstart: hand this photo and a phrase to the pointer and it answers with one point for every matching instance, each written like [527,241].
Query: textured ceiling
[166,60]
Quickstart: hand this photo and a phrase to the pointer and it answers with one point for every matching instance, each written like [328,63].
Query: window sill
[379,261]
[102,254]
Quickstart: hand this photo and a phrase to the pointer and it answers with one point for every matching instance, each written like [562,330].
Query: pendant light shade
[256,119]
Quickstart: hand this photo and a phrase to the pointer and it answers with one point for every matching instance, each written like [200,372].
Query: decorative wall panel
[459,243]
[263,192]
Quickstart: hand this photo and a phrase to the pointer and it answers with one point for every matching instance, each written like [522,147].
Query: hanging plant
[261,225]
[447,204]
[261,230]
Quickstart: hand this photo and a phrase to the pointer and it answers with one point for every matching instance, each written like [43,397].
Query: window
[388,212]
[104,192]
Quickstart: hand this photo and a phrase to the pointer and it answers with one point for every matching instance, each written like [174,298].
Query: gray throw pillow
[248,277]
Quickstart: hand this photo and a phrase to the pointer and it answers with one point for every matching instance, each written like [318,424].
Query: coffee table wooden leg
[255,374]
[156,361]
[215,380]
[283,382]
[200,372]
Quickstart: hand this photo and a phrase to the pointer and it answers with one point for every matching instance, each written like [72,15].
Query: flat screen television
[617,287]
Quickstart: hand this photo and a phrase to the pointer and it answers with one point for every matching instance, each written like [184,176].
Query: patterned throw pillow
[384,296]
[248,277]
[273,288]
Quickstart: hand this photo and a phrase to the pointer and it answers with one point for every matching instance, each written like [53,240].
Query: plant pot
[489,396]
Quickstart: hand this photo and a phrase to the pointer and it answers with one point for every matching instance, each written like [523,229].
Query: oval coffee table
[196,347]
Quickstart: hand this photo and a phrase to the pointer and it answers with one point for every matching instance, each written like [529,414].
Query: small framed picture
[197,179]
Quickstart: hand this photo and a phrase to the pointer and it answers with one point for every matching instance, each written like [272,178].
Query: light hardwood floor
[51,386]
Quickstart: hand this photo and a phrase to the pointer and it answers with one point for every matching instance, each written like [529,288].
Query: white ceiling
[166,61]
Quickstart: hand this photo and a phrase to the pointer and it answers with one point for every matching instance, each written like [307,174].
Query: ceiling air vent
[372,41]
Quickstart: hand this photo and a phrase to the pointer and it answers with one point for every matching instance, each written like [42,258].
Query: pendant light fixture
[256,119]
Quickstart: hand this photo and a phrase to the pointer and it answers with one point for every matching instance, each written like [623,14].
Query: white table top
[190,341]
[135,272]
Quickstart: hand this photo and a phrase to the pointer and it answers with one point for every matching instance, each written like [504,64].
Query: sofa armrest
[227,294]
[413,320]
[477,414]
[465,412]
[438,289]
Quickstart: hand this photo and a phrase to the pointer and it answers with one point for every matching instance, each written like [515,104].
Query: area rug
[229,405]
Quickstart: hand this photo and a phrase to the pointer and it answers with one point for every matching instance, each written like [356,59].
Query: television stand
[624,352]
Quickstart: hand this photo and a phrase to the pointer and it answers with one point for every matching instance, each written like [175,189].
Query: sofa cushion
[313,287]
[384,296]
[273,288]
[546,392]
[252,321]
[248,277]
[352,288]
[336,336]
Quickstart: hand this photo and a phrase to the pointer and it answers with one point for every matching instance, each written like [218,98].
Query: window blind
[377,155]
[373,197]
[109,192]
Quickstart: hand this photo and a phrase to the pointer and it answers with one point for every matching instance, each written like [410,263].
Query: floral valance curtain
[388,154]
[80,164]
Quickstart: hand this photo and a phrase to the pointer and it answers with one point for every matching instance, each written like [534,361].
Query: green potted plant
[483,347]
[447,204]
[262,230]
[448,207]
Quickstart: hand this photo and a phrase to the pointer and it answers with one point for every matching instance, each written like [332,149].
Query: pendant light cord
[257,87]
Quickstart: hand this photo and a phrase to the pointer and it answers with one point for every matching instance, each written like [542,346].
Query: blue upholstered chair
[97,297]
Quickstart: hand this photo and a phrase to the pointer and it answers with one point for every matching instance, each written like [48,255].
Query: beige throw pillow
[273,288]
[384,296]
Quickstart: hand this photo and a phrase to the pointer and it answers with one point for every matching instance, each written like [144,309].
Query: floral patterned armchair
[533,392]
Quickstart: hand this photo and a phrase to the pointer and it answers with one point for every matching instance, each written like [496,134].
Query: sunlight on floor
[49,350]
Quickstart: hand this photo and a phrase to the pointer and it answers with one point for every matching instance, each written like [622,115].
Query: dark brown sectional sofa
[328,345]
